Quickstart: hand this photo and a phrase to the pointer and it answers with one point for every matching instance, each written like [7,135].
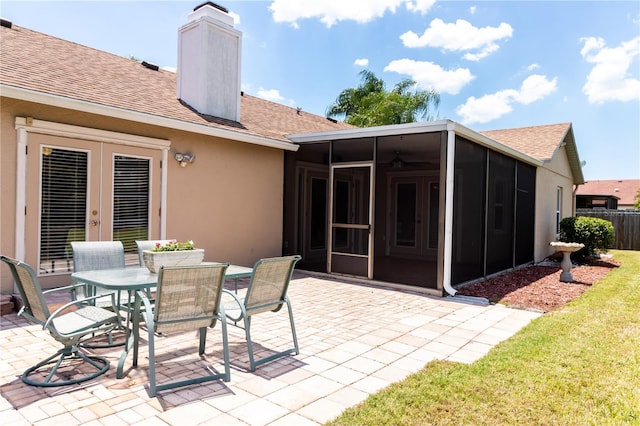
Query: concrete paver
[352,344]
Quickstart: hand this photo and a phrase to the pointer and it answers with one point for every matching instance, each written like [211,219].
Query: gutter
[18,93]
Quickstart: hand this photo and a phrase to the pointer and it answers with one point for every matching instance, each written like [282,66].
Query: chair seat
[83,319]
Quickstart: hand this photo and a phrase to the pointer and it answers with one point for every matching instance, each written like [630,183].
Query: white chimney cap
[211,10]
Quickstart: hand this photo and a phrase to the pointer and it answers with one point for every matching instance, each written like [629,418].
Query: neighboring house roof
[625,189]
[36,65]
[542,142]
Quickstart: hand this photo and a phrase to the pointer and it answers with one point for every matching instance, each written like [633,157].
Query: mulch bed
[539,287]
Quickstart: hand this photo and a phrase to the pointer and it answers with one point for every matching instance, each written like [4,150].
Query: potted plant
[172,253]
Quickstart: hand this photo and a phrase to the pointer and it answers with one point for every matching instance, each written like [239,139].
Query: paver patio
[355,339]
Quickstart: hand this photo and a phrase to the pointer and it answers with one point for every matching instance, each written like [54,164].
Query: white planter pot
[154,260]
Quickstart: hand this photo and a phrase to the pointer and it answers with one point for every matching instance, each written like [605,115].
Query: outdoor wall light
[184,159]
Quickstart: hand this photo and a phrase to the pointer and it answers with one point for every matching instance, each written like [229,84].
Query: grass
[579,365]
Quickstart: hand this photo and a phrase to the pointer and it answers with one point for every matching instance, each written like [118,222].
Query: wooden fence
[625,222]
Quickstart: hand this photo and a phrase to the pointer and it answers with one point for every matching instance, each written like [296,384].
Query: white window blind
[63,206]
[131,200]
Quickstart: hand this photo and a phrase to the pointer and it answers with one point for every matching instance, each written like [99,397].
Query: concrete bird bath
[566,249]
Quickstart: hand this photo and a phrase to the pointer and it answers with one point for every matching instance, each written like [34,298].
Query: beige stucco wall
[553,174]
[229,201]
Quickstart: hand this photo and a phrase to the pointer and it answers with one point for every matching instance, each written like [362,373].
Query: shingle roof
[43,63]
[542,142]
[539,142]
[624,189]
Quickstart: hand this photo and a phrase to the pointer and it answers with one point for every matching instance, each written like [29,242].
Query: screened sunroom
[426,205]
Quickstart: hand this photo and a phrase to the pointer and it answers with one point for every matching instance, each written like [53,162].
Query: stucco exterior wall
[551,176]
[228,201]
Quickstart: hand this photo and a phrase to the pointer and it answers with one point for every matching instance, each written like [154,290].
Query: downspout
[448,210]
[573,200]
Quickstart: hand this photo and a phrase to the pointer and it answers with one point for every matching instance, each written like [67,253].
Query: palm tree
[370,104]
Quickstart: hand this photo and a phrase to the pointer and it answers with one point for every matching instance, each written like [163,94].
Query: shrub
[596,234]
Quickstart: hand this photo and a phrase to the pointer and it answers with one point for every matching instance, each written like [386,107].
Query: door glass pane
[352,241]
[406,214]
[63,206]
[318,213]
[130,201]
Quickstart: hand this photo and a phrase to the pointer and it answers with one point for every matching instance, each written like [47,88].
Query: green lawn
[579,365]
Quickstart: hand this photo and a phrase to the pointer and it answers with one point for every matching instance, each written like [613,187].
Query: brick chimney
[209,53]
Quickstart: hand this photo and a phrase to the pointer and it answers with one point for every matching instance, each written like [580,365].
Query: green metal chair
[267,291]
[187,299]
[95,255]
[68,325]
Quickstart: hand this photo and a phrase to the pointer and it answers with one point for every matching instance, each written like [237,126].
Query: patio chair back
[34,306]
[147,245]
[92,255]
[269,284]
[187,299]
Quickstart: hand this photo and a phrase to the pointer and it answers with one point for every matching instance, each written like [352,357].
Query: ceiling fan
[399,163]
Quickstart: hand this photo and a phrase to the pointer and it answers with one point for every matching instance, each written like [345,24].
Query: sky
[496,64]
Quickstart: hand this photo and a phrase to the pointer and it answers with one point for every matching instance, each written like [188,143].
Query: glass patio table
[133,280]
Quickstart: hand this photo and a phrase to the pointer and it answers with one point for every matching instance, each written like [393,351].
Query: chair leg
[225,348]
[203,340]
[293,351]
[247,332]
[152,362]
[293,328]
[100,364]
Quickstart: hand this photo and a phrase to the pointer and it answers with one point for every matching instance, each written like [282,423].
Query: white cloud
[533,67]
[472,10]
[420,6]
[330,12]
[270,95]
[460,36]
[610,79]
[432,76]
[490,107]
[361,62]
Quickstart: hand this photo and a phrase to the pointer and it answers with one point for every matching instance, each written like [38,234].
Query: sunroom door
[81,190]
[351,239]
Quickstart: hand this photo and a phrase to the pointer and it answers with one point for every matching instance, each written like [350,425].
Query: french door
[85,190]
[413,210]
[351,219]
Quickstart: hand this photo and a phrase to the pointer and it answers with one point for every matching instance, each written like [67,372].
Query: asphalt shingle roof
[539,142]
[624,189]
[43,63]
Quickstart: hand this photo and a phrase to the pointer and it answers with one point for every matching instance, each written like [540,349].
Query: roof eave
[572,154]
[411,128]
[23,94]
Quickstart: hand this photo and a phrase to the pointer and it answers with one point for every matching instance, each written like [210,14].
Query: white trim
[88,133]
[155,120]
[164,166]
[21,193]
[448,212]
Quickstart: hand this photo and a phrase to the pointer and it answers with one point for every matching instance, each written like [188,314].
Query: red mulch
[539,287]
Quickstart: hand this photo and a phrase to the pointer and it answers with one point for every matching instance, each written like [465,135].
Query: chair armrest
[229,312]
[148,312]
[65,288]
[84,301]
